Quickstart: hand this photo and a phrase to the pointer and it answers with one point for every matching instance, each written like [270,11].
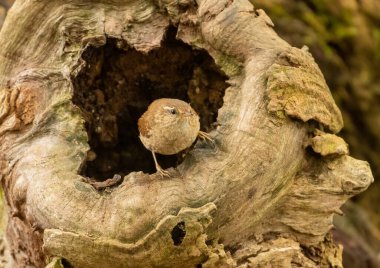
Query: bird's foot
[206,137]
[163,172]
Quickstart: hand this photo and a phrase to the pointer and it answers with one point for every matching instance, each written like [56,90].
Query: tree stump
[74,78]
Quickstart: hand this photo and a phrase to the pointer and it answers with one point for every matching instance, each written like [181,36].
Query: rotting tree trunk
[74,78]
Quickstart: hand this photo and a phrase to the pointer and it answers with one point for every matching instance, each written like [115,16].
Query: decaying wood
[262,197]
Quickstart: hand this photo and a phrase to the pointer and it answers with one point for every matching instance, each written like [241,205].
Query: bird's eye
[170,110]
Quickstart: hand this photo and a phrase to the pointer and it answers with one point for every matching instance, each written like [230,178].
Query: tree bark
[75,75]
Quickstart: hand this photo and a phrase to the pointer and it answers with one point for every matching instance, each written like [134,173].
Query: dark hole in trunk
[115,87]
[178,233]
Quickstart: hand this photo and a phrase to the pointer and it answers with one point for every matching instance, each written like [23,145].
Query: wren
[168,127]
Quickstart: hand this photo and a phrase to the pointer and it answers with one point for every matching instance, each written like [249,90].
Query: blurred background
[344,38]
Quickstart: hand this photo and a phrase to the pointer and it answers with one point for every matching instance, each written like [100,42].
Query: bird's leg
[205,136]
[159,168]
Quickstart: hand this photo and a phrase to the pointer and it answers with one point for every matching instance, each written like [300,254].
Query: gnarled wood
[261,192]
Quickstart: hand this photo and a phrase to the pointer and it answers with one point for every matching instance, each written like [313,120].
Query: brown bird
[168,127]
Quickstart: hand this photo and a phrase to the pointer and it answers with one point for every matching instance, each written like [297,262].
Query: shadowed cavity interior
[116,85]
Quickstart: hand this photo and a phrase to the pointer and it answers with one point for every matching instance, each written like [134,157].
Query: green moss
[68,117]
[280,114]
[229,65]
[56,262]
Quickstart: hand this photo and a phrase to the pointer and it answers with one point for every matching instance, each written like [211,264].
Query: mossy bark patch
[296,85]
[329,144]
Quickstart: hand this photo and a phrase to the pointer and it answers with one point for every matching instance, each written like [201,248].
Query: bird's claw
[163,172]
[206,137]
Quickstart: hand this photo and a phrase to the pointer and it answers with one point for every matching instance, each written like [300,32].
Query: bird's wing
[144,125]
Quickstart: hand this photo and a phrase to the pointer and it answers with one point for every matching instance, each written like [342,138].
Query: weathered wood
[260,197]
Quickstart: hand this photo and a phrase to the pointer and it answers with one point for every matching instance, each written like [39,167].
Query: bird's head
[176,111]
